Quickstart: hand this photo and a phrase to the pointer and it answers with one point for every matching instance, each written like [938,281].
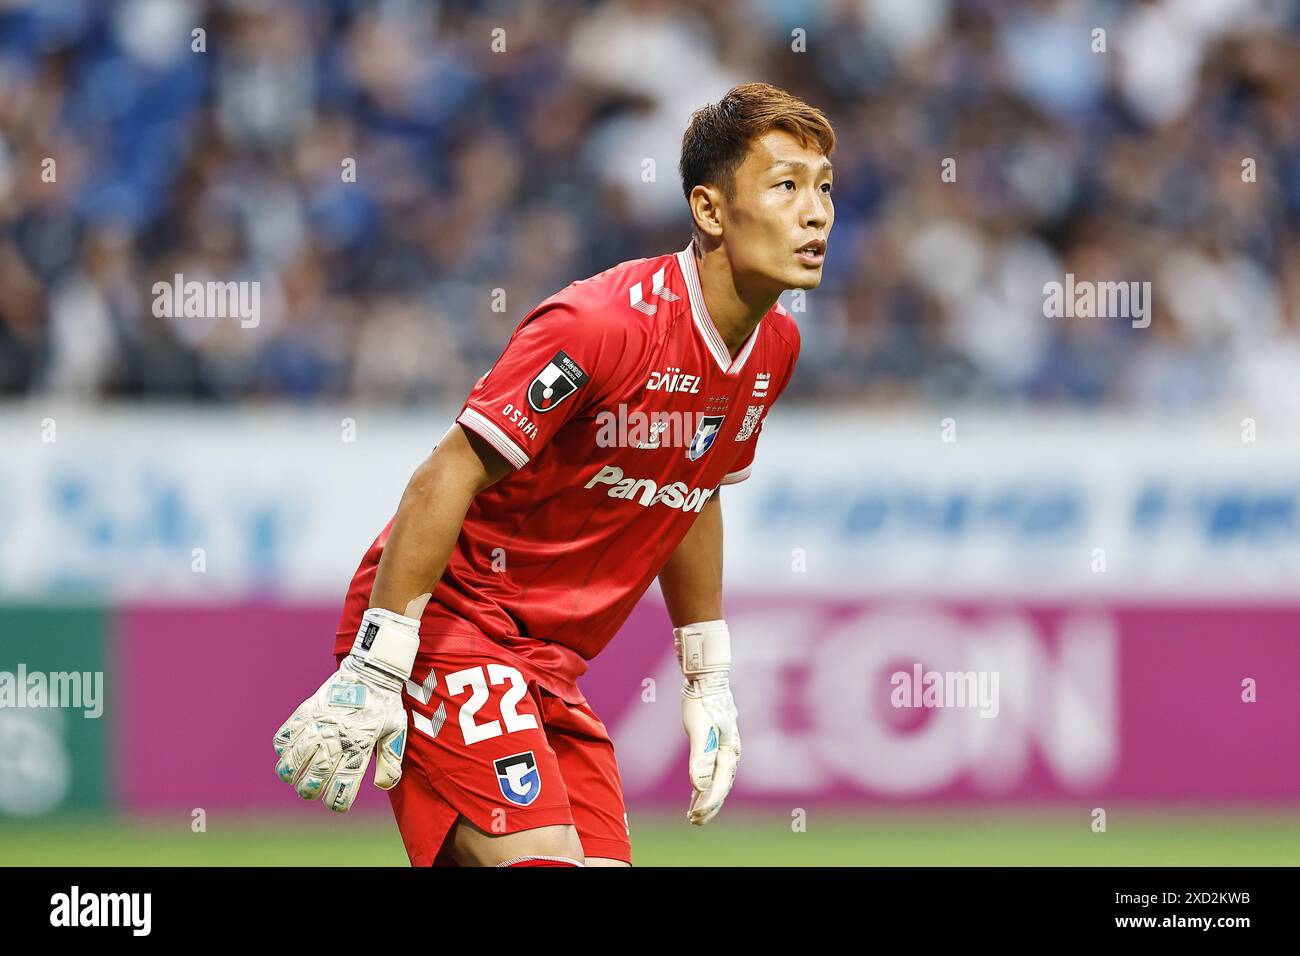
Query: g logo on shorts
[518,777]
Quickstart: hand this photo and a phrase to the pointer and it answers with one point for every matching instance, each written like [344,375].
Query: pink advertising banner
[856,703]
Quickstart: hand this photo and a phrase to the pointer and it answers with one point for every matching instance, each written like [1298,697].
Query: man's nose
[816,214]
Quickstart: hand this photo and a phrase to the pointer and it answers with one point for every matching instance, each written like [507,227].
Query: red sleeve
[740,471]
[745,464]
[555,364]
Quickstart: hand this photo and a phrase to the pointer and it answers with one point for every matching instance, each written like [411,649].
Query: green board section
[53,758]
[1135,837]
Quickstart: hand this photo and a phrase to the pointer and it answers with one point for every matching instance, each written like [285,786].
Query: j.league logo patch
[553,384]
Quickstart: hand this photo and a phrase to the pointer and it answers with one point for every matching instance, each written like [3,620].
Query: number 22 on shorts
[474,679]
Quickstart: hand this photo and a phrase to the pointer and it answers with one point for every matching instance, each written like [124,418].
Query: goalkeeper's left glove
[325,746]
[708,715]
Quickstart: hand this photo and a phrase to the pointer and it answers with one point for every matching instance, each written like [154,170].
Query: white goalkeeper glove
[325,747]
[708,715]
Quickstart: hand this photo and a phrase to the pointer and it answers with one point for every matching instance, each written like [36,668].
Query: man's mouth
[812,253]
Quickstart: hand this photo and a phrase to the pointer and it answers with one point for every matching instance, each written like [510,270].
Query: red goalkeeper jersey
[622,411]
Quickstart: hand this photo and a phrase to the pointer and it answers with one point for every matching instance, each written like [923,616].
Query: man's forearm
[692,588]
[429,520]
[691,581]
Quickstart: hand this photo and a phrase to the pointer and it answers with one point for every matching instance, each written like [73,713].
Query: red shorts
[504,753]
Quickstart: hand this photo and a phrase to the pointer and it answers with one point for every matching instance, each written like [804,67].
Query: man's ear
[706,210]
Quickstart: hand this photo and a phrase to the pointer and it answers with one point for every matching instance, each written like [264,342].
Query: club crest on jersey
[710,426]
[553,384]
[519,778]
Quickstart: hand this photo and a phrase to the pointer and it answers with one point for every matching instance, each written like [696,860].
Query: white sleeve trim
[737,476]
[494,436]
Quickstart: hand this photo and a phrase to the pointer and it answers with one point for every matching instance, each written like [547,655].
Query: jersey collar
[704,322]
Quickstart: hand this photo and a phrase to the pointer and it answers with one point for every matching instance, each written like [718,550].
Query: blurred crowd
[504,149]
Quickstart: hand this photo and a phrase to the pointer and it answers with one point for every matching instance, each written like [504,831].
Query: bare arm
[692,579]
[429,518]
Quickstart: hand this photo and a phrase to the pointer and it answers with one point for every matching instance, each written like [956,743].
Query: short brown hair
[718,137]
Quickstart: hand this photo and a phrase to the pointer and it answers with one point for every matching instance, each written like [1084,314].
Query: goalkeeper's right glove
[324,747]
[708,715]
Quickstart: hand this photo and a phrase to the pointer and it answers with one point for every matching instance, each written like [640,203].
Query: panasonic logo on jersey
[646,492]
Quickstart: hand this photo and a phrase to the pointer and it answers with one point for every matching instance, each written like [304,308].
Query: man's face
[776,223]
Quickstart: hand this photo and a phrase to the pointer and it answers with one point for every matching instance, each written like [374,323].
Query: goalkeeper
[524,540]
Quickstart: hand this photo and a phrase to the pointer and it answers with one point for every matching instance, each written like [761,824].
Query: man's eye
[788,182]
[826,188]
